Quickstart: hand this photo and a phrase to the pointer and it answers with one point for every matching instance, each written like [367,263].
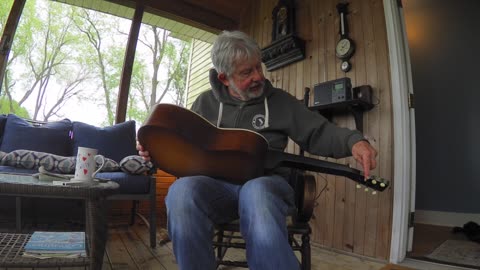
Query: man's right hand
[142,152]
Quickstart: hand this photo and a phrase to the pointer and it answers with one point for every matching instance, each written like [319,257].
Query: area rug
[458,252]
[395,267]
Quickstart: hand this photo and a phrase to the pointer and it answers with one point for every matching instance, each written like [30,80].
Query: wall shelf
[354,106]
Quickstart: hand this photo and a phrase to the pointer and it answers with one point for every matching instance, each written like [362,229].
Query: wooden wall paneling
[343,120]
[257,32]
[304,24]
[357,75]
[366,71]
[267,37]
[316,52]
[371,130]
[251,16]
[384,130]
[267,23]
[331,33]
[344,217]
[345,189]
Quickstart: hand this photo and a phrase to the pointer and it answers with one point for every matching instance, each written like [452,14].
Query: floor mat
[457,252]
[395,267]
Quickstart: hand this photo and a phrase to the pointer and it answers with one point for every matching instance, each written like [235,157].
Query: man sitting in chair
[241,97]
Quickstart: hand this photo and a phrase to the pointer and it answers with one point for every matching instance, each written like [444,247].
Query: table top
[27,185]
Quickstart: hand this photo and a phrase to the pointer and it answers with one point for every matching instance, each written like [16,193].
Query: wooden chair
[227,235]
[170,142]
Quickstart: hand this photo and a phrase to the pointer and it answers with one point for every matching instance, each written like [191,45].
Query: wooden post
[122,102]
[8,34]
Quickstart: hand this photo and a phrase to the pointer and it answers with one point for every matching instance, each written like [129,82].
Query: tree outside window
[66,62]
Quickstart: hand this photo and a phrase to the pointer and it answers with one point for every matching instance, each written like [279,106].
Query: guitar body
[184,143]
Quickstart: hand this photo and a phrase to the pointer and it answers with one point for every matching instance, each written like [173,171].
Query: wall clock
[345,46]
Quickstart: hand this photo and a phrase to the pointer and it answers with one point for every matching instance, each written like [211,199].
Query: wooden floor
[127,248]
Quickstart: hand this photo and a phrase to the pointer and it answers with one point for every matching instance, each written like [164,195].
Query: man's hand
[142,152]
[364,153]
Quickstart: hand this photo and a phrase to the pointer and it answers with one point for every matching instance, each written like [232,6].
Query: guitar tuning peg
[374,181]
[382,184]
[374,193]
[366,189]
[359,186]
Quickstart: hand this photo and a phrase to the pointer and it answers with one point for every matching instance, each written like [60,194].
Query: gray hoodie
[276,115]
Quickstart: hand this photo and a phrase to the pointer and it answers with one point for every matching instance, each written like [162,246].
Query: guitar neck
[277,159]
[282,159]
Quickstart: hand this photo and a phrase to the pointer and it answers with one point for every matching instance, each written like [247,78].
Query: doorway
[443,70]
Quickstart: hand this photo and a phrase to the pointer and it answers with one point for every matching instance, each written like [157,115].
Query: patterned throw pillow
[110,164]
[33,160]
[135,165]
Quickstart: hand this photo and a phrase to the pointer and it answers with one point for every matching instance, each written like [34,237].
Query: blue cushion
[53,137]
[3,121]
[115,142]
[129,184]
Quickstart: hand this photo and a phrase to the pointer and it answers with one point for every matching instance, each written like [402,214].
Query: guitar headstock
[374,182]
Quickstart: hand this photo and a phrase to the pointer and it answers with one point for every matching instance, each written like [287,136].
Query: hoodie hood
[220,91]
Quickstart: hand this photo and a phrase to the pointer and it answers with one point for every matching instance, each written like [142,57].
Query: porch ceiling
[199,19]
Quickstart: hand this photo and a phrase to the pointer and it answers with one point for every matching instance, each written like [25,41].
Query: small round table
[20,185]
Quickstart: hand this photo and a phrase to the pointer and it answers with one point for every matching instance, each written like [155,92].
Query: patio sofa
[25,146]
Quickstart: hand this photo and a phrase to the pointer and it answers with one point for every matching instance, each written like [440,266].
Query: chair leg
[220,252]
[306,252]
[133,212]
[18,214]
[153,214]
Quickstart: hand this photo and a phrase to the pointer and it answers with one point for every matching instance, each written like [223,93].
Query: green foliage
[5,108]
[63,56]
[5,6]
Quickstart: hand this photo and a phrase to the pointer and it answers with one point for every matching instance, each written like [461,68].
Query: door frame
[403,131]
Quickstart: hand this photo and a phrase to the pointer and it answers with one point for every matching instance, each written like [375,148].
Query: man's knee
[180,193]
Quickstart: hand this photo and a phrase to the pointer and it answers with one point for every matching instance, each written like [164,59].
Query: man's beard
[249,93]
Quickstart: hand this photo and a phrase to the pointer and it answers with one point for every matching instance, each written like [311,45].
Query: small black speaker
[363,92]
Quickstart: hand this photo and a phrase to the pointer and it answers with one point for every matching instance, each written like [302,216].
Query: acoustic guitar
[183,143]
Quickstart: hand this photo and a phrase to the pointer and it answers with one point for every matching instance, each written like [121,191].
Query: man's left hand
[364,153]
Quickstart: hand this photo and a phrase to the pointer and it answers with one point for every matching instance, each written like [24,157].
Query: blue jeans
[196,203]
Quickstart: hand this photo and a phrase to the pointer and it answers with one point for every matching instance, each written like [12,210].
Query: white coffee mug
[85,167]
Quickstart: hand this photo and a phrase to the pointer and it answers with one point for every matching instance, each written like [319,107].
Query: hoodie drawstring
[220,112]
[267,113]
